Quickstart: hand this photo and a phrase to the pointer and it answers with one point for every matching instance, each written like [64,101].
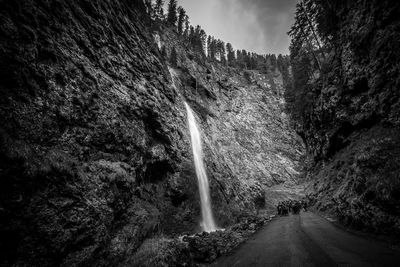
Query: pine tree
[238,58]
[213,48]
[303,33]
[174,57]
[138,5]
[163,52]
[181,19]
[253,61]
[273,62]
[306,55]
[198,39]
[149,7]
[159,9]
[221,50]
[187,27]
[202,43]
[191,35]
[172,16]
[209,40]
[230,54]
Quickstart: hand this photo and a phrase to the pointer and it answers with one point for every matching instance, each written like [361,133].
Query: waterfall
[207,223]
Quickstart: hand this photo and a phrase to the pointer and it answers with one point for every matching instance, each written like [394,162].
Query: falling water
[208,223]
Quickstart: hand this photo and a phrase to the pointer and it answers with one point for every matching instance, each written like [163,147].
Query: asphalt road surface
[309,240]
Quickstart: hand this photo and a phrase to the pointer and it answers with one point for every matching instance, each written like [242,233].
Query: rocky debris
[161,251]
[196,250]
[207,247]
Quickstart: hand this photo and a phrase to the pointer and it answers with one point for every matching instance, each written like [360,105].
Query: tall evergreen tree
[159,9]
[213,48]
[202,41]
[307,54]
[174,57]
[138,5]
[164,52]
[191,35]
[273,62]
[149,7]
[181,20]
[198,39]
[221,50]
[238,58]
[172,16]
[303,33]
[230,53]
[209,40]
[187,27]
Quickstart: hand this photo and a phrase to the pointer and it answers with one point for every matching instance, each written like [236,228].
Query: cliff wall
[352,129]
[95,152]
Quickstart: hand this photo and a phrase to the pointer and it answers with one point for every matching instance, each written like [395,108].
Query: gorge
[118,131]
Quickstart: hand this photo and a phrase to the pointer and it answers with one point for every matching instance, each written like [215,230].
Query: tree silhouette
[149,7]
[187,27]
[230,54]
[159,9]
[172,16]
[209,40]
[181,19]
[164,52]
[174,57]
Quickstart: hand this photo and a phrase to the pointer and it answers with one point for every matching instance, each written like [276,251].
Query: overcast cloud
[255,25]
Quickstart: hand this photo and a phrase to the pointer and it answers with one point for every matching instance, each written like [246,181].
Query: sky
[255,25]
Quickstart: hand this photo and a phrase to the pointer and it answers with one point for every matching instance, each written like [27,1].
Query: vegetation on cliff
[344,101]
[208,46]
[94,148]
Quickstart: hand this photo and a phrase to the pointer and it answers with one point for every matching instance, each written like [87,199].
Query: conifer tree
[174,57]
[221,49]
[230,53]
[159,9]
[202,41]
[187,27]
[238,57]
[209,40]
[181,19]
[191,35]
[163,52]
[198,39]
[149,7]
[273,62]
[138,4]
[172,16]
[303,34]
[213,48]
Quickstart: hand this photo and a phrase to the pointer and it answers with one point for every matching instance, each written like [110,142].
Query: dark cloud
[274,18]
[274,5]
[254,25]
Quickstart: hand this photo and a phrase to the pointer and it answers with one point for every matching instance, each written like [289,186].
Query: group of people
[291,206]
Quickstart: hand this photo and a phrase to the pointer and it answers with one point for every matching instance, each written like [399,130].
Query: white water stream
[208,223]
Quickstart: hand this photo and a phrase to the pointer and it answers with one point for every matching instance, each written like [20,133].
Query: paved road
[309,240]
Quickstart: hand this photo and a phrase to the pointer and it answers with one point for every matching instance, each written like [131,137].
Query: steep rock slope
[88,126]
[94,148]
[352,131]
[249,146]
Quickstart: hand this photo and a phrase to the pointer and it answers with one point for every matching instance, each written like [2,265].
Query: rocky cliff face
[94,148]
[353,130]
